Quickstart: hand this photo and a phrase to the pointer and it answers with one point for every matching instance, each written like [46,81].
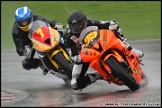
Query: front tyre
[118,71]
[144,81]
[63,63]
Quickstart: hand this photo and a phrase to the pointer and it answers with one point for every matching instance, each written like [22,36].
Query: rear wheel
[63,64]
[119,71]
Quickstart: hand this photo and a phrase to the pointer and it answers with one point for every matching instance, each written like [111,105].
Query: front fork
[116,55]
[59,49]
[46,58]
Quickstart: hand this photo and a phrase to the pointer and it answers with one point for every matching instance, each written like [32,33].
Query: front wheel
[63,64]
[118,71]
[144,81]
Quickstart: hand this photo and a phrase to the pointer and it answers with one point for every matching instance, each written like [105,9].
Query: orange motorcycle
[111,57]
[48,41]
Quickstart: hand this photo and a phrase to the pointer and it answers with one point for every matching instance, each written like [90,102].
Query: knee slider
[31,63]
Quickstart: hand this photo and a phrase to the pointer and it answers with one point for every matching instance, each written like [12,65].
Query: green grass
[137,19]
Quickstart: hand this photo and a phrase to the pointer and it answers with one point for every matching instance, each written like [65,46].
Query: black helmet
[77,21]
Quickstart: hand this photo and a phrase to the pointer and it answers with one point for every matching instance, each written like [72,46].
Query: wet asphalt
[33,89]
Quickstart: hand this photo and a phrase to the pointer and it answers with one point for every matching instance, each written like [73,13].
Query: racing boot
[45,71]
[75,75]
[86,80]
[94,77]
[79,82]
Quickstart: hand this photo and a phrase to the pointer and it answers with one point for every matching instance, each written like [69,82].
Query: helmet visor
[78,27]
[24,23]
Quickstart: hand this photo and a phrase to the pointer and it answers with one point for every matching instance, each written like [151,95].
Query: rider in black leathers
[77,21]
[23,19]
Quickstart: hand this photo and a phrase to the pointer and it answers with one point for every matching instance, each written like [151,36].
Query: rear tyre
[118,71]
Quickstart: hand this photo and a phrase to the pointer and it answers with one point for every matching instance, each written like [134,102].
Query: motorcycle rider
[23,20]
[77,21]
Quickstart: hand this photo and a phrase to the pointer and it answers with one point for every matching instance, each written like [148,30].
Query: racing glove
[27,52]
[113,25]
[59,26]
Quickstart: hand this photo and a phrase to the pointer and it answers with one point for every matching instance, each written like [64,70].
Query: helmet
[77,21]
[23,17]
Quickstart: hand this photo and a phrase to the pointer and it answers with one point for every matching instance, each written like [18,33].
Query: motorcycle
[112,58]
[48,41]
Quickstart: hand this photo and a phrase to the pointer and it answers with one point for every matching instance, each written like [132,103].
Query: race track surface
[23,88]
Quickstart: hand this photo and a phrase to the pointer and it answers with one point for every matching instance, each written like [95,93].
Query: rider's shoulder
[37,17]
[91,22]
[15,29]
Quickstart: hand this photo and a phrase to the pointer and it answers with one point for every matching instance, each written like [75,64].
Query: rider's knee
[31,63]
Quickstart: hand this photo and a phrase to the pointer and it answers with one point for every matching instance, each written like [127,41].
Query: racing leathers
[24,45]
[79,77]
